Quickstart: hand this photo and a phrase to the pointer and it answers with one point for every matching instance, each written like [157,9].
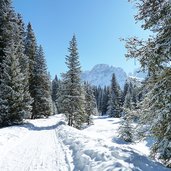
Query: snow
[51,145]
[33,146]
[101,75]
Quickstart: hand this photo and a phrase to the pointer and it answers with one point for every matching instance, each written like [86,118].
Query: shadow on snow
[32,127]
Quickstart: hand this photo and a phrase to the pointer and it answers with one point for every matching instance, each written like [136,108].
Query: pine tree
[126,130]
[154,56]
[125,90]
[30,52]
[55,92]
[54,88]
[5,10]
[99,99]
[52,110]
[11,77]
[114,103]
[105,100]
[60,97]
[134,96]
[127,102]
[15,94]
[90,103]
[24,62]
[73,100]
[95,91]
[41,87]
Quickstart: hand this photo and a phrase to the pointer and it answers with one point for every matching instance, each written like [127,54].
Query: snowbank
[96,149]
[51,145]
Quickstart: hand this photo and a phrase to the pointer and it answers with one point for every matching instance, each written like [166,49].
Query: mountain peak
[101,66]
[101,75]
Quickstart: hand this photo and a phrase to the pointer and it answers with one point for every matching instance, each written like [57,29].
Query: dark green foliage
[59,97]
[55,88]
[125,91]
[30,52]
[72,97]
[90,103]
[99,99]
[12,88]
[126,130]
[24,62]
[11,76]
[105,100]
[23,73]
[130,101]
[55,93]
[114,103]
[41,87]
[101,96]
[154,56]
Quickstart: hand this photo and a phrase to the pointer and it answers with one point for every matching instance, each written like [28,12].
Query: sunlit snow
[51,145]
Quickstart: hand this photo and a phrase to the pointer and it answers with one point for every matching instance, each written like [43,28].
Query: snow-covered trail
[98,148]
[51,145]
[37,149]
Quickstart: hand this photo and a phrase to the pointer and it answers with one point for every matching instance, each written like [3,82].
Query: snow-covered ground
[51,145]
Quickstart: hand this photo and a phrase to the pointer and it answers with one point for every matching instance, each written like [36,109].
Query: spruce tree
[11,77]
[60,97]
[73,100]
[95,91]
[125,90]
[154,56]
[55,92]
[24,62]
[30,52]
[126,130]
[130,97]
[15,95]
[5,34]
[41,87]
[90,103]
[52,110]
[99,99]
[105,100]
[114,103]
[127,102]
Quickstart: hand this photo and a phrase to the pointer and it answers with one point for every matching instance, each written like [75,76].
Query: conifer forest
[66,123]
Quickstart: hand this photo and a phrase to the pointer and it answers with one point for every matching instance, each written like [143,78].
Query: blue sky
[98,25]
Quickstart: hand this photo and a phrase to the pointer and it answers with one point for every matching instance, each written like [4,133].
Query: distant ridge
[101,75]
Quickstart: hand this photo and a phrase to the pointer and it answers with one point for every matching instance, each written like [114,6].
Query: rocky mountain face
[101,75]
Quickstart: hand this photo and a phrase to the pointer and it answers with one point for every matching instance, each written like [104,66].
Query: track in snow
[51,145]
[37,150]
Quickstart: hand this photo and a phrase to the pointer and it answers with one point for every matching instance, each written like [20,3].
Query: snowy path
[39,149]
[51,145]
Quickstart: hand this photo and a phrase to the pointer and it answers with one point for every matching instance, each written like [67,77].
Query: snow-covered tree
[24,62]
[154,56]
[124,93]
[130,100]
[73,99]
[90,103]
[41,88]
[127,102]
[114,103]
[30,52]
[99,99]
[11,77]
[15,93]
[55,92]
[126,130]
[105,100]
[60,97]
